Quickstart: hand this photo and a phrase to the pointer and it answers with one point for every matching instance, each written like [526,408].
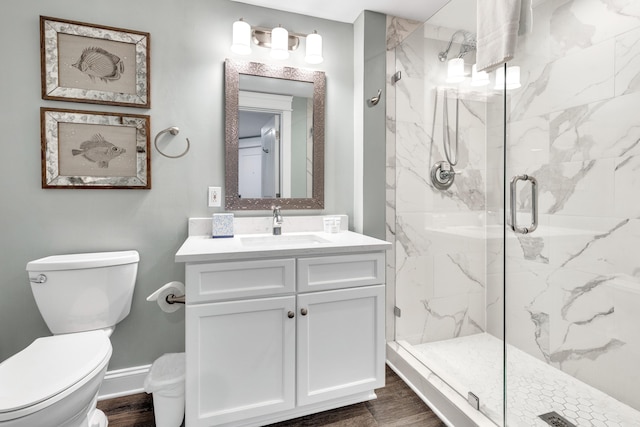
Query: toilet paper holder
[175,299]
[170,298]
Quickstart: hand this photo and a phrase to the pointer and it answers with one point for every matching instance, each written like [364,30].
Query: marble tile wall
[440,274]
[573,287]
[574,126]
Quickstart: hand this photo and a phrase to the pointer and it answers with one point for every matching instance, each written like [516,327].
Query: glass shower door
[572,292]
[448,226]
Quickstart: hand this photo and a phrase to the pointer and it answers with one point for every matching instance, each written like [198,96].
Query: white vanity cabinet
[274,339]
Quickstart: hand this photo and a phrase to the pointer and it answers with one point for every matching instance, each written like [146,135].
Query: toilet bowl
[55,380]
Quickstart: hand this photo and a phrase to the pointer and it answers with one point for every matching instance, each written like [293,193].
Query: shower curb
[448,405]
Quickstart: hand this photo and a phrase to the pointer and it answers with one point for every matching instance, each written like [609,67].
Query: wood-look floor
[397,405]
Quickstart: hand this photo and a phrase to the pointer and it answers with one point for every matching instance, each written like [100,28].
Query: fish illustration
[98,150]
[97,62]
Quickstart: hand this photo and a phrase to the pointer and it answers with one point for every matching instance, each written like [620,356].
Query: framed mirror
[274,137]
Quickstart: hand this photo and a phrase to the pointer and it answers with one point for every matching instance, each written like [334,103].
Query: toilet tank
[82,292]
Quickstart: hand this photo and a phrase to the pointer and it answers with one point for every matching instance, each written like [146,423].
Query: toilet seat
[49,369]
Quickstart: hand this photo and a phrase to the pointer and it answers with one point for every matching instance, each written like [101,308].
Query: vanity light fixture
[278,39]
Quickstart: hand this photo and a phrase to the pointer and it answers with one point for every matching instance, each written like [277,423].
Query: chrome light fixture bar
[278,39]
[262,37]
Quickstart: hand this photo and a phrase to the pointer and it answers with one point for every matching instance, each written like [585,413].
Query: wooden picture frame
[88,149]
[83,62]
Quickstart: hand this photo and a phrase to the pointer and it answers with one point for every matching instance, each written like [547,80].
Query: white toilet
[55,380]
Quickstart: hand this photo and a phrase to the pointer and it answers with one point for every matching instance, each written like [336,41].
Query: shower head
[467,45]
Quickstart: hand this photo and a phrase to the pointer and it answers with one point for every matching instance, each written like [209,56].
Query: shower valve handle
[446,174]
[442,175]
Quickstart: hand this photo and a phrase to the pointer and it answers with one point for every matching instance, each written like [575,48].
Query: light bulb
[279,43]
[314,49]
[241,38]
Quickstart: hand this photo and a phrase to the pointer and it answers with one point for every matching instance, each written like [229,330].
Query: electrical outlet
[215,196]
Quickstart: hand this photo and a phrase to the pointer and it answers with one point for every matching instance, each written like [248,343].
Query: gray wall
[189,42]
[374,130]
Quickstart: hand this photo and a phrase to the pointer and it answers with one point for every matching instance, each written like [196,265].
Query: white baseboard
[123,382]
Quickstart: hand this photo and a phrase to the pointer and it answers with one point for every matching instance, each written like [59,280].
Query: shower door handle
[534,204]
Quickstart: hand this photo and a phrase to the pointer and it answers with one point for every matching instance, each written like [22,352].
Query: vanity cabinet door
[340,343]
[240,359]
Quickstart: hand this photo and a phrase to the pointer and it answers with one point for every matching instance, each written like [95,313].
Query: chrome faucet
[277,220]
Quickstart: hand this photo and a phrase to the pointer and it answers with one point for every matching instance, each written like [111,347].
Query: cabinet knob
[303,311]
[291,315]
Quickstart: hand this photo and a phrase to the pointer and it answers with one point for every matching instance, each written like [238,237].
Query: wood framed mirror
[274,137]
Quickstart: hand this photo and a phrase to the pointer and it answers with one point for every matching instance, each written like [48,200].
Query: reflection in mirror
[274,136]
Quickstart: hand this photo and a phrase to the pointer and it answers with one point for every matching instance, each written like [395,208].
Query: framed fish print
[88,63]
[85,149]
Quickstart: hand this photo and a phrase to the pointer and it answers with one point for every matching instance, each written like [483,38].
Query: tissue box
[222,225]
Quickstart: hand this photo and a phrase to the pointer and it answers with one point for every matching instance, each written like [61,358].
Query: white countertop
[204,248]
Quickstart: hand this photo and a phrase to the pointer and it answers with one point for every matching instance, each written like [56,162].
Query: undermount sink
[294,239]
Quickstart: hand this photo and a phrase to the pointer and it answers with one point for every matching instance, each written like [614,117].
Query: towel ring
[173,130]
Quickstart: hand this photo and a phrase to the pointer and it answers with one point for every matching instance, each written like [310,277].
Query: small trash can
[166,381]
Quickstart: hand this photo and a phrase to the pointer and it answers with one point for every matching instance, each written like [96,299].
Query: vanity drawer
[340,271]
[239,279]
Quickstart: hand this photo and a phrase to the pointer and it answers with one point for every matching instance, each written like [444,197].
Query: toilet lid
[81,261]
[49,366]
